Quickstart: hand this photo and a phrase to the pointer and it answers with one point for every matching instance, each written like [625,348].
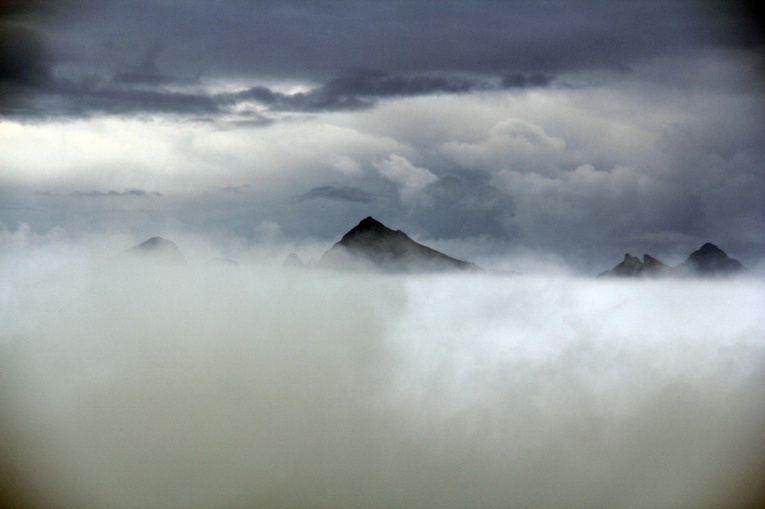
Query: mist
[129,385]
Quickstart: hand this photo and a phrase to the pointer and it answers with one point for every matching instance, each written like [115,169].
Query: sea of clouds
[129,384]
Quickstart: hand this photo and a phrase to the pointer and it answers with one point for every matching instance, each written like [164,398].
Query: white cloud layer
[411,180]
[512,143]
[201,386]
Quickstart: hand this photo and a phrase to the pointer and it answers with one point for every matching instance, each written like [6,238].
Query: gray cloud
[351,90]
[350,194]
[300,38]
[24,59]
[93,96]
[125,94]
[139,193]
[463,208]
[374,83]
[413,48]
[145,71]
[521,80]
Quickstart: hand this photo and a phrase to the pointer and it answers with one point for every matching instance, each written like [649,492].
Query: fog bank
[131,385]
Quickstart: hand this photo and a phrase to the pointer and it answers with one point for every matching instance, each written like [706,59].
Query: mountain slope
[371,244]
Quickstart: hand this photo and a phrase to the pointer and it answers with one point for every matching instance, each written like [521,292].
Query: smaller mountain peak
[630,266]
[156,243]
[653,267]
[293,260]
[707,260]
[158,249]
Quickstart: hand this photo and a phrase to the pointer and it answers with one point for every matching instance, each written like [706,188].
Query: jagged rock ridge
[371,244]
[709,260]
[632,266]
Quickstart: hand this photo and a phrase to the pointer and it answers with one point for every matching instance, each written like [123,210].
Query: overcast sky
[487,129]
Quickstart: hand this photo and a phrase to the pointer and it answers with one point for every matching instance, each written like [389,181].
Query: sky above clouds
[490,130]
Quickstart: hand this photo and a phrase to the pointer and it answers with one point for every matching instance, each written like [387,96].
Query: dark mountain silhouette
[632,266]
[157,250]
[653,266]
[709,260]
[371,244]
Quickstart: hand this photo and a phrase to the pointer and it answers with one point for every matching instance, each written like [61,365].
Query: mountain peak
[158,249]
[710,249]
[155,243]
[710,259]
[370,222]
[371,243]
[630,266]
[368,226]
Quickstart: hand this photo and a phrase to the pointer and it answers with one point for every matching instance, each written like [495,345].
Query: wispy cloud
[349,194]
[139,193]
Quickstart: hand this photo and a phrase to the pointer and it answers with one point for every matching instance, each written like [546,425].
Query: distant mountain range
[369,245]
[708,260]
[372,245]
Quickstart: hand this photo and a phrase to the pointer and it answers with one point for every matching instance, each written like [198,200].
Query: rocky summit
[709,260]
[371,244]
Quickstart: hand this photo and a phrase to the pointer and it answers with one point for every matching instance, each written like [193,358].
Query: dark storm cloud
[126,93]
[24,59]
[350,194]
[146,71]
[309,39]
[86,98]
[116,58]
[355,89]
[24,68]
[520,80]
[371,83]
[90,95]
